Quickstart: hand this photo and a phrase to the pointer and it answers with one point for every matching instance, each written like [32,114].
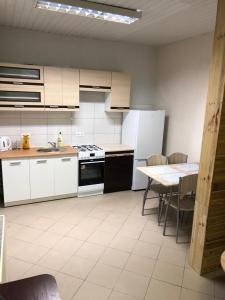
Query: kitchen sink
[50,149]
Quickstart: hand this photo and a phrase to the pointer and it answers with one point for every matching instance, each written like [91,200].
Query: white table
[167,175]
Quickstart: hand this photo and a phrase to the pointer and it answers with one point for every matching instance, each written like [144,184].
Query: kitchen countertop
[29,153]
[115,147]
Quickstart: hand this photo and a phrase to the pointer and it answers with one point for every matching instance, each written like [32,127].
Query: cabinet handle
[66,159]
[15,163]
[43,161]
[53,106]
[19,106]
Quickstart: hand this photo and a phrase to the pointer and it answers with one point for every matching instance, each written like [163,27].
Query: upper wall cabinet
[61,88]
[91,80]
[119,98]
[21,73]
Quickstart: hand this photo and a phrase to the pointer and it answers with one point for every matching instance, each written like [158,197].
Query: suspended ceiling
[163,21]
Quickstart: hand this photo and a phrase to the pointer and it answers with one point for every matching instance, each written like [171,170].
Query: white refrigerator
[143,131]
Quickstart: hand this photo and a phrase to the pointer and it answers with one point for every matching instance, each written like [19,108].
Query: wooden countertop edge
[32,153]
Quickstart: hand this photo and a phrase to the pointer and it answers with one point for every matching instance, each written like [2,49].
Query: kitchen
[111,81]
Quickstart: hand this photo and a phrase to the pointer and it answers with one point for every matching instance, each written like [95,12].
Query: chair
[184,201]
[177,158]
[155,160]
[41,287]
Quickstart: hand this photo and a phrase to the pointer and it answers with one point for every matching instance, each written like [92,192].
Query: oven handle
[118,155]
[92,162]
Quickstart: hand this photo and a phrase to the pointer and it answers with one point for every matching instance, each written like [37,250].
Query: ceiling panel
[163,21]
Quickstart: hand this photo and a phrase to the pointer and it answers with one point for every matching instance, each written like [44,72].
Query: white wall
[91,125]
[181,89]
[25,46]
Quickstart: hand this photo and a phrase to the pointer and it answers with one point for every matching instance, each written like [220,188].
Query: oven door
[91,171]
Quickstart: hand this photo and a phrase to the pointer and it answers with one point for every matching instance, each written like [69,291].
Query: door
[66,180]
[150,133]
[139,179]
[120,91]
[21,95]
[118,172]
[70,87]
[91,172]
[16,180]
[93,78]
[21,73]
[42,177]
[53,86]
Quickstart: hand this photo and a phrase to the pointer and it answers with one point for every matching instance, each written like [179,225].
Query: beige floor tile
[67,285]
[101,238]
[53,260]
[67,245]
[38,270]
[140,265]
[31,253]
[12,229]
[42,223]
[48,239]
[130,233]
[90,251]
[172,256]
[16,268]
[80,233]
[146,249]
[24,219]
[72,218]
[78,267]
[123,243]
[116,218]
[115,258]
[90,291]
[119,296]
[90,223]
[188,294]
[151,237]
[220,287]
[14,246]
[61,228]
[104,275]
[197,283]
[168,273]
[99,214]
[107,226]
[132,284]
[29,234]
[159,290]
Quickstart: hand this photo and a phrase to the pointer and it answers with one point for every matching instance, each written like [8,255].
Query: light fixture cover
[92,10]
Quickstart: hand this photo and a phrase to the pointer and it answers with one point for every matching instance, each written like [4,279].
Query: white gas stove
[90,169]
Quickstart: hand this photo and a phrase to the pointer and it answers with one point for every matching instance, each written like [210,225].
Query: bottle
[60,143]
[26,141]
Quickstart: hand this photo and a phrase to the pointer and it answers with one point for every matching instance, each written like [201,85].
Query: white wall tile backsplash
[91,125]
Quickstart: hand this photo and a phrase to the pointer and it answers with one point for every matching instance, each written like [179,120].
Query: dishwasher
[118,171]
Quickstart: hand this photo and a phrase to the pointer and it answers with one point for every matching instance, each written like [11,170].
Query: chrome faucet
[53,144]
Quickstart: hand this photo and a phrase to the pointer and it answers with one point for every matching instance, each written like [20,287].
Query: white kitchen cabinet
[42,177]
[16,180]
[66,175]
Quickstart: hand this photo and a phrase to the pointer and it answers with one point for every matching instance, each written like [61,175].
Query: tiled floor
[101,248]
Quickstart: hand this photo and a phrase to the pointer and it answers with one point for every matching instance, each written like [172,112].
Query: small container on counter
[26,141]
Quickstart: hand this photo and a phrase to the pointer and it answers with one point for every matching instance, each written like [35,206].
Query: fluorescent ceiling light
[92,9]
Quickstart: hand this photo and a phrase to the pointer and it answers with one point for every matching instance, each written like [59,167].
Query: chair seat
[186,204]
[159,188]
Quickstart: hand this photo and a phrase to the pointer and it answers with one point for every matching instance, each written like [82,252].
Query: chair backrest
[155,160]
[177,158]
[188,184]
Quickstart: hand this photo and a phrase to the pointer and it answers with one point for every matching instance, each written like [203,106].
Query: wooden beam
[208,235]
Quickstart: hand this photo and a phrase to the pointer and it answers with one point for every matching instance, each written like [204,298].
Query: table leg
[146,194]
[167,207]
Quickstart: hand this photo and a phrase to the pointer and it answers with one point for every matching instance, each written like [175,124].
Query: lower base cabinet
[65,175]
[16,180]
[30,179]
[41,178]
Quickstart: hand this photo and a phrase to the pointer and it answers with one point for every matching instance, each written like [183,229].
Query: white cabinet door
[16,180]
[66,180]
[42,177]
